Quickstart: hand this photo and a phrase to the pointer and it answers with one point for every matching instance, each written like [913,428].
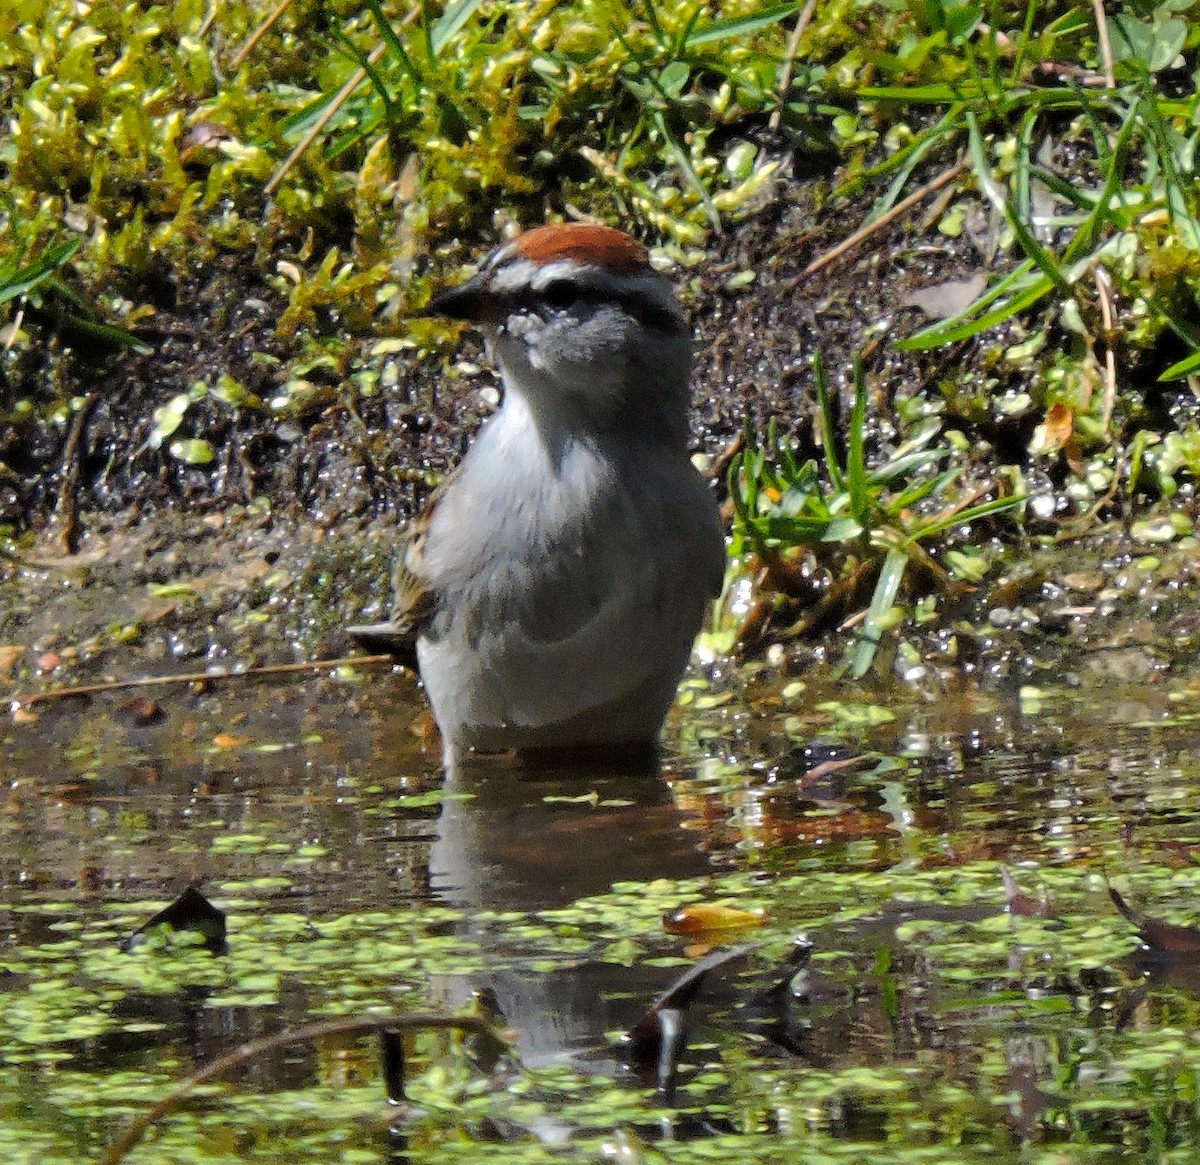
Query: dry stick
[343,95]
[719,466]
[363,1025]
[865,232]
[1082,525]
[198,677]
[258,34]
[206,25]
[1106,56]
[67,509]
[1104,292]
[789,60]
[1087,77]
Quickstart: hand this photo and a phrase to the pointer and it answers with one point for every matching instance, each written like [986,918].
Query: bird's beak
[473,301]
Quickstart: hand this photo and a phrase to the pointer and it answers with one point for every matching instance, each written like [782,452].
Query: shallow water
[927,1027]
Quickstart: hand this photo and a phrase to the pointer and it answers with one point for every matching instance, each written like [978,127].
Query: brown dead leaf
[142,711]
[68,561]
[8,657]
[229,740]
[1055,431]
[943,300]
[707,916]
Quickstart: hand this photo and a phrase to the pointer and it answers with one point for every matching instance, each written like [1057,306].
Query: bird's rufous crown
[584,243]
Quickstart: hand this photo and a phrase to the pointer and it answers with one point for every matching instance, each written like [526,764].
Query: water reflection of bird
[513,840]
[554,584]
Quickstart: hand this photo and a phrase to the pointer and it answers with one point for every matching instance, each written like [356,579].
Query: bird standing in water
[555,582]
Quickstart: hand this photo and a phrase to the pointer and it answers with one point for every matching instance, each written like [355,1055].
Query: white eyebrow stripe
[546,274]
[646,295]
[514,275]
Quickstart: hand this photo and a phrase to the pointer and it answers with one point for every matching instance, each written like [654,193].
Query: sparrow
[554,583]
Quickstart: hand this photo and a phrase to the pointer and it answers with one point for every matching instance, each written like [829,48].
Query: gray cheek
[511,349]
[533,342]
[522,327]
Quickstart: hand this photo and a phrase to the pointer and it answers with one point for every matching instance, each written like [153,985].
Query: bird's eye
[561,293]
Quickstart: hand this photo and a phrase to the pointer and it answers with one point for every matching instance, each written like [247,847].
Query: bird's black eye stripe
[652,314]
[561,294]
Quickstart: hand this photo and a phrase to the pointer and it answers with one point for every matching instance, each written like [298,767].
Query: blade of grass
[942,130]
[916,442]
[308,115]
[1113,180]
[882,601]
[652,20]
[948,332]
[1091,111]
[110,334]
[990,42]
[914,158]
[769,456]
[1063,188]
[934,94]
[329,111]
[1180,368]
[1177,202]
[739,25]
[795,474]
[741,484]
[25,279]
[685,165]
[1025,39]
[973,514]
[896,467]
[995,194]
[833,467]
[451,21]
[856,455]
[355,54]
[680,46]
[801,531]
[920,490]
[387,35]
[1021,187]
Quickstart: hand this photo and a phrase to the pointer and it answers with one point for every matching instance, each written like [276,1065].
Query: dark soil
[287,535]
[354,456]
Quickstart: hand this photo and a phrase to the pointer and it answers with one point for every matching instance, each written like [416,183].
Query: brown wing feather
[414,603]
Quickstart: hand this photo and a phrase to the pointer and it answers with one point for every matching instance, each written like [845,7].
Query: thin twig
[258,34]
[865,232]
[1104,292]
[1060,69]
[356,1026]
[198,677]
[66,511]
[789,60]
[318,127]
[1106,55]
[718,467]
[340,98]
[1080,527]
[206,25]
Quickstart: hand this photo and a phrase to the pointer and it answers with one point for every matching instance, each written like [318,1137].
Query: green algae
[955,959]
